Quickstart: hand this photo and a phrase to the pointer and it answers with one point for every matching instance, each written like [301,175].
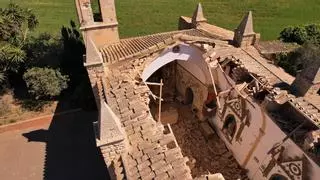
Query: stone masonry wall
[111,151]
[95,72]
[147,155]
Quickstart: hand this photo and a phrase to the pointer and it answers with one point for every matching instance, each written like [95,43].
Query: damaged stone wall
[112,151]
[185,80]
[95,72]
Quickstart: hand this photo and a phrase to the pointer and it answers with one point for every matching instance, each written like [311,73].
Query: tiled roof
[134,47]
[270,47]
[254,63]
[308,107]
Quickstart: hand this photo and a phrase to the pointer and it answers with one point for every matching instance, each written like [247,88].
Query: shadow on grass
[71,152]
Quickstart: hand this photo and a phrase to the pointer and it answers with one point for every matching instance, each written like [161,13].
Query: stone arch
[278,177]
[188,56]
[189,96]
[230,126]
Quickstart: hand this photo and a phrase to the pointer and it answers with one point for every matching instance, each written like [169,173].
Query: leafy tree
[304,57]
[45,82]
[10,57]
[43,51]
[15,23]
[301,34]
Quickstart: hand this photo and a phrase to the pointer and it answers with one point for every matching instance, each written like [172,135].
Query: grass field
[138,17]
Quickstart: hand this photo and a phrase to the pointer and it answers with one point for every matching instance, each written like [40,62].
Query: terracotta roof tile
[130,47]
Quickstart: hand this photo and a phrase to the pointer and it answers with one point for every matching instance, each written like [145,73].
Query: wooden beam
[154,84]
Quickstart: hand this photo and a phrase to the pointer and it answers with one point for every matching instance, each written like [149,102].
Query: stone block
[143,165]
[149,176]
[162,170]
[145,172]
[142,159]
[157,158]
[172,157]
[179,163]
[161,176]
[158,165]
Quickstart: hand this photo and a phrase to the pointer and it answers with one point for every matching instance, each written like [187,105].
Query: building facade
[272,131]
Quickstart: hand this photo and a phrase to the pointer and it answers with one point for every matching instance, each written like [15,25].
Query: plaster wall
[184,80]
[292,152]
[258,138]
[189,57]
[102,34]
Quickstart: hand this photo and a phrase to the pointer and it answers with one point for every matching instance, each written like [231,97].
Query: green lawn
[138,17]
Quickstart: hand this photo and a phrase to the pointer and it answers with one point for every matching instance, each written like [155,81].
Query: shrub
[301,34]
[45,82]
[303,57]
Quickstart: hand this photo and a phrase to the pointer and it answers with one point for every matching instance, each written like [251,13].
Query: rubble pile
[205,156]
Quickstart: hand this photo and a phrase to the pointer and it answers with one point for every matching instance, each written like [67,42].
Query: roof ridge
[149,35]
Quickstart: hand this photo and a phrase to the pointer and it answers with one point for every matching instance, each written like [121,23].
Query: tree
[45,82]
[301,34]
[15,22]
[303,57]
[43,51]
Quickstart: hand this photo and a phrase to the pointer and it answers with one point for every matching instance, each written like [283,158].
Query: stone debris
[150,154]
[204,155]
[206,130]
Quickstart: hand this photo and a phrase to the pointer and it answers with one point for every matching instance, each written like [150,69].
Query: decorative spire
[198,15]
[244,34]
[246,25]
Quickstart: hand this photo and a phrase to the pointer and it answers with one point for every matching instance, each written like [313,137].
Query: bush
[301,34]
[303,57]
[45,83]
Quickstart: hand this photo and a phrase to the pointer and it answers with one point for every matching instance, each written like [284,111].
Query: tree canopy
[302,34]
[45,82]
[15,22]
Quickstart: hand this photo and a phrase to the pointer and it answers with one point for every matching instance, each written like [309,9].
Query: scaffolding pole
[160,96]
[214,87]
[160,99]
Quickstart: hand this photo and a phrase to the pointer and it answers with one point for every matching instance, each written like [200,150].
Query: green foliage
[10,57]
[303,57]
[43,51]
[301,34]
[45,82]
[15,23]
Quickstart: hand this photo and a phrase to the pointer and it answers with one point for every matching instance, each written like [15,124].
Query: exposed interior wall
[189,57]
[184,80]
[261,135]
